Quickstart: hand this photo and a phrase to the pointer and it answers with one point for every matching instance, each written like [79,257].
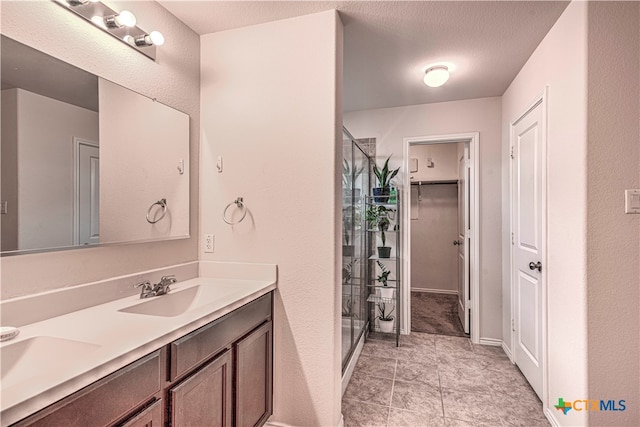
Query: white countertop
[119,338]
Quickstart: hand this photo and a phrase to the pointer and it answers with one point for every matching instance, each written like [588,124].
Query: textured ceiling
[388,44]
[22,67]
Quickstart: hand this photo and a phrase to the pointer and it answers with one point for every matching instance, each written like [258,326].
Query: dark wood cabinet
[205,398]
[151,416]
[253,371]
[218,375]
[106,401]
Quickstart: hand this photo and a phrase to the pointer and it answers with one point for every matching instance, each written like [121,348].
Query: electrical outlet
[209,240]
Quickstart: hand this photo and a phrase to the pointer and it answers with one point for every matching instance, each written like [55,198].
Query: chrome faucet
[162,287]
[147,290]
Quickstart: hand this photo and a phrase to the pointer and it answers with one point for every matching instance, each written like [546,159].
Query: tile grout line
[439,380]
[393,383]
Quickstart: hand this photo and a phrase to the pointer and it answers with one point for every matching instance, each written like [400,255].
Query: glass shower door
[355,186]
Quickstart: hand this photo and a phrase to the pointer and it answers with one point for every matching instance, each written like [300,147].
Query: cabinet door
[204,398]
[254,377]
[150,417]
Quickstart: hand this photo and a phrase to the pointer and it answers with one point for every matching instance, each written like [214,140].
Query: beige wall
[434,258]
[46,128]
[613,238]
[143,142]
[391,125]
[173,79]
[559,62]
[270,108]
[444,158]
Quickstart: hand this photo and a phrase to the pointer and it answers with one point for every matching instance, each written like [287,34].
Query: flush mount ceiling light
[436,76]
[121,25]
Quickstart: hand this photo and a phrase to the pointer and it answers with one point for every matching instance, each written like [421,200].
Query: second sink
[35,356]
[172,304]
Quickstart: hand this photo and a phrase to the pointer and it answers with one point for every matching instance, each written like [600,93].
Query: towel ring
[240,204]
[161,202]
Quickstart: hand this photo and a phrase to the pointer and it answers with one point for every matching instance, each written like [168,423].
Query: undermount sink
[34,356]
[172,304]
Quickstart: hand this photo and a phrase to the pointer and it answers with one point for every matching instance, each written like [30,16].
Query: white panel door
[88,194]
[463,240]
[527,144]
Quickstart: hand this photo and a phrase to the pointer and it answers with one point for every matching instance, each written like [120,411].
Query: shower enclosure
[356,174]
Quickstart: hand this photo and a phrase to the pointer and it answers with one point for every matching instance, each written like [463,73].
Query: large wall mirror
[85,161]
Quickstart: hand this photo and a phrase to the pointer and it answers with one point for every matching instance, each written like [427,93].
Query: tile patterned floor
[437,380]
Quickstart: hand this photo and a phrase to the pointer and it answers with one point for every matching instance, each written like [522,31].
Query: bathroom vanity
[200,355]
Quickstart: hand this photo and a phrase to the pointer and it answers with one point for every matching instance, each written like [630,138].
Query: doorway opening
[441,238]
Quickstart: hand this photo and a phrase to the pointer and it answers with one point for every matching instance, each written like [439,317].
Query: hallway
[436,380]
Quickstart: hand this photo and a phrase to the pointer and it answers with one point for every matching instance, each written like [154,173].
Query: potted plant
[349,178]
[385,320]
[347,308]
[379,217]
[384,176]
[350,216]
[386,291]
[346,271]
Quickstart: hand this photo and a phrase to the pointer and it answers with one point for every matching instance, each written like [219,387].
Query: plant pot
[384,251]
[386,326]
[347,250]
[386,292]
[381,194]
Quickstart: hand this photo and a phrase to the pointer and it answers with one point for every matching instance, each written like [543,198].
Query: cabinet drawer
[106,400]
[149,417]
[189,351]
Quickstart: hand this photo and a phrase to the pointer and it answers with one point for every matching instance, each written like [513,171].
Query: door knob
[535,266]
[457,242]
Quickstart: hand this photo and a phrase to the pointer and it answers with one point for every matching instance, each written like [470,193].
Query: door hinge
[511,154]
[513,324]
[512,239]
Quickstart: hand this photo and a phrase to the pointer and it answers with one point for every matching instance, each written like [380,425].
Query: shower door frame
[356,335]
[473,139]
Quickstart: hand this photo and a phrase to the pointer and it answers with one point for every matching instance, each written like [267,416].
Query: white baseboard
[507,351]
[435,291]
[491,341]
[551,418]
[270,423]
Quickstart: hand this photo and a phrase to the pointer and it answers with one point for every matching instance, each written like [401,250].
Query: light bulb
[126,18]
[129,39]
[156,38]
[436,76]
[99,21]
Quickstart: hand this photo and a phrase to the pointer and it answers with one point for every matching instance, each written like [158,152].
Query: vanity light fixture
[436,76]
[121,25]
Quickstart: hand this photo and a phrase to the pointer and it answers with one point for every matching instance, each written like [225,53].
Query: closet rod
[433,182]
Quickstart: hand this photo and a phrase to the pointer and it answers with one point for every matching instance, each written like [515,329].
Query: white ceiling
[388,44]
[22,67]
